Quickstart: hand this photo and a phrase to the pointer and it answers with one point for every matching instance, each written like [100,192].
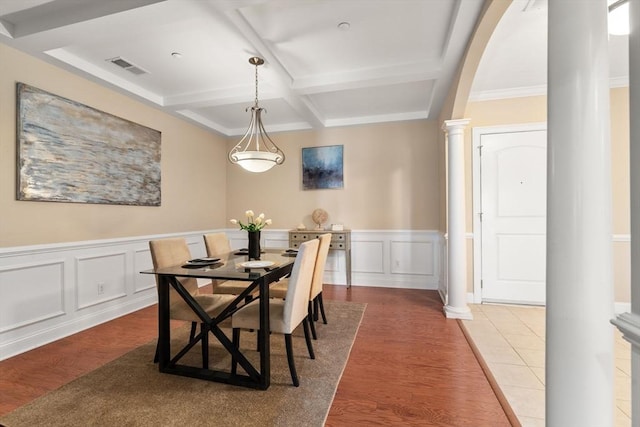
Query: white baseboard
[46,335]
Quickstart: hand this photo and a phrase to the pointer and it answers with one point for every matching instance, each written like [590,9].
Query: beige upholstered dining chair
[284,315]
[175,251]
[279,290]
[218,244]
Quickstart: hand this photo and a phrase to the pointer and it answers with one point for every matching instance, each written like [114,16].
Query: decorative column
[579,336]
[456,307]
[629,323]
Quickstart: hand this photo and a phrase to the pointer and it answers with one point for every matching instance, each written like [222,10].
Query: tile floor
[511,341]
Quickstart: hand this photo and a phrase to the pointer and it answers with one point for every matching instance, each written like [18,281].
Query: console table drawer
[339,240]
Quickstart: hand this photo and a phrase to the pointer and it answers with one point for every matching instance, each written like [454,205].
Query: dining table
[273,265]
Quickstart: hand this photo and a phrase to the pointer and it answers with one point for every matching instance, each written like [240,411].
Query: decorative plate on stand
[319,216]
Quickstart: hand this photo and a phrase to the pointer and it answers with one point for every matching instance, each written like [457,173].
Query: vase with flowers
[253,225]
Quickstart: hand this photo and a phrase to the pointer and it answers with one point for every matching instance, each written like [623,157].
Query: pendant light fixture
[256,152]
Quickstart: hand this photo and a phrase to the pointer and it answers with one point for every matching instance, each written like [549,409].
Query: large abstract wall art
[69,152]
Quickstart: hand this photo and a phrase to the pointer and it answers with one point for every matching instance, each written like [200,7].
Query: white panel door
[513,203]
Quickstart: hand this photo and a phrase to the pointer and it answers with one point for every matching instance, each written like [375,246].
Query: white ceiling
[395,62]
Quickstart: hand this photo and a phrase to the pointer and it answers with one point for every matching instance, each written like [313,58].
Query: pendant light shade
[256,152]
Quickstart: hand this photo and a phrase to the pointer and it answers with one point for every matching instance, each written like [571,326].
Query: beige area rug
[130,391]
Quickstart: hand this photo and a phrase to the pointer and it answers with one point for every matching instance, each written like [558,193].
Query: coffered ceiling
[327,62]
[390,60]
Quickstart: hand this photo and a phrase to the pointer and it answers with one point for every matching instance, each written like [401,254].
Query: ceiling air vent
[123,63]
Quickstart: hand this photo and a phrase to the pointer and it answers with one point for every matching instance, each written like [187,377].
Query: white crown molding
[537,90]
[517,92]
[417,115]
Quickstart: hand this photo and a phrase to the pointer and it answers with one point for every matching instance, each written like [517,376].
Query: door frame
[477,134]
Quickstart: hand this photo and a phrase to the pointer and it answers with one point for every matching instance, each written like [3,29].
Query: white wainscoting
[381,258]
[392,259]
[51,291]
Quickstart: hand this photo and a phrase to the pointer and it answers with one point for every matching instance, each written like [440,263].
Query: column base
[457,312]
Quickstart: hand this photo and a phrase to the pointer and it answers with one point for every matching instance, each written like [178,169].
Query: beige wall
[390,179]
[534,110]
[193,168]
[620,160]
[391,173]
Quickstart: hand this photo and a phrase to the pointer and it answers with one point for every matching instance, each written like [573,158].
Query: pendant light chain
[256,85]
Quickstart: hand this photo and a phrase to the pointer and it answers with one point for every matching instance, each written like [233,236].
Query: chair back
[170,252]
[321,261]
[297,299]
[216,244]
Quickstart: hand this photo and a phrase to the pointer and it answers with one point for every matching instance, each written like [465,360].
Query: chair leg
[305,326]
[315,309]
[292,365]
[321,303]
[236,345]
[156,358]
[310,317]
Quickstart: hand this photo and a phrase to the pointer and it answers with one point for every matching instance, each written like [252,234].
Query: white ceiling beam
[358,79]
[282,80]
[6,28]
[364,120]
[57,13]
[285,127]
[205,122]
[214,98]
[8,7]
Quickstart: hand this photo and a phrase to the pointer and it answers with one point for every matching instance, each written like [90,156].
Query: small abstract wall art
[69,152]
[322,167]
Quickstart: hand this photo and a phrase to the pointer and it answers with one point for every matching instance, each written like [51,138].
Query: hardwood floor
[409,365]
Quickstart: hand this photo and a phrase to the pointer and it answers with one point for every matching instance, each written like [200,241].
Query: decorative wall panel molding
[417,257]
[142,261]
[367,256]
[100,278]
[31,293]
[50,291]
[410,257]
